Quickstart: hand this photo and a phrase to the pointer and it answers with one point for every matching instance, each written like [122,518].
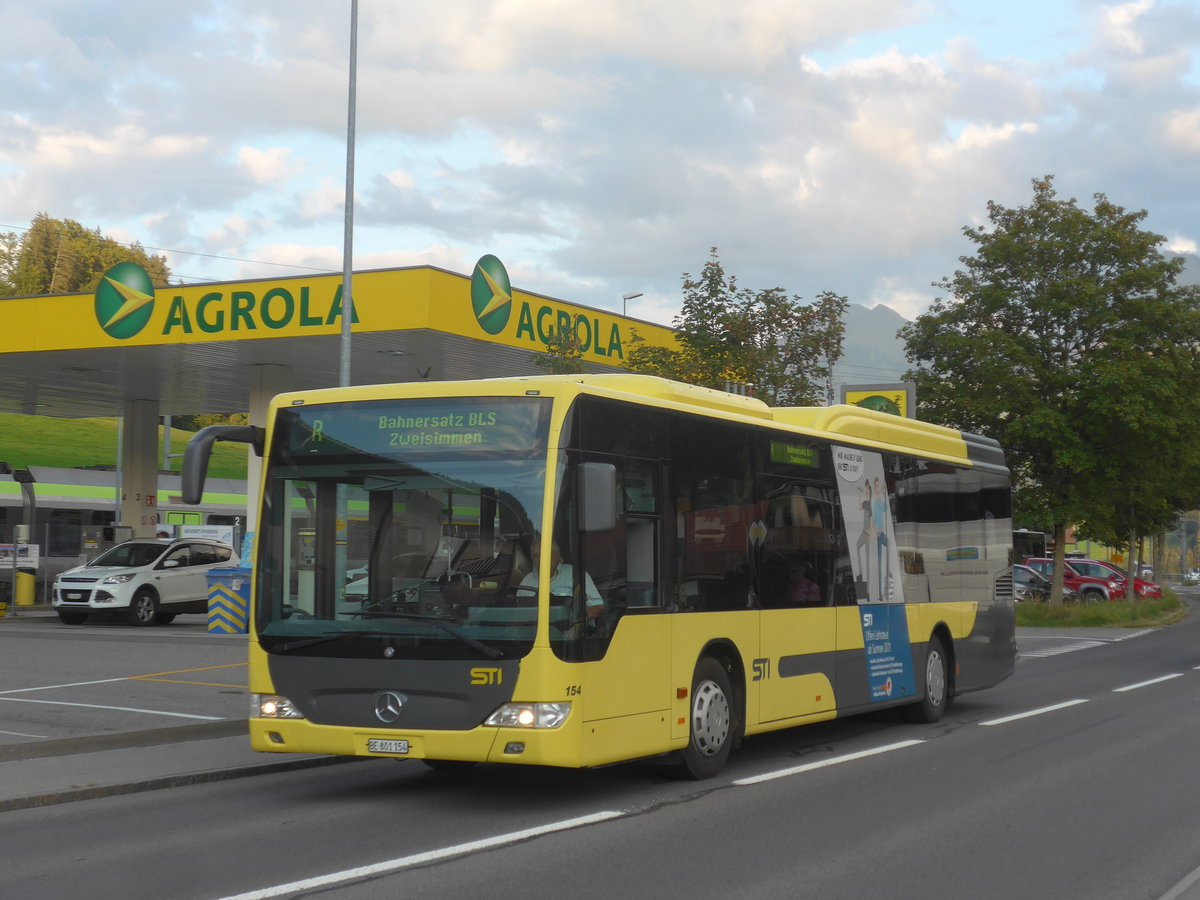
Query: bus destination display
[391,428]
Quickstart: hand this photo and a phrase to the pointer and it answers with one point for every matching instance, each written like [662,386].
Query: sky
[600,148]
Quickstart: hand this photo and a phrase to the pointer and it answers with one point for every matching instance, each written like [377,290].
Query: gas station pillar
[139,467]
[265,382]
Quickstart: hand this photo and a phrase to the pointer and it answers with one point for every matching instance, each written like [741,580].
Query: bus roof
[841,422]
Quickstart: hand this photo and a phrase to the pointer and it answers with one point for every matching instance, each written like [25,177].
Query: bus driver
[562,580]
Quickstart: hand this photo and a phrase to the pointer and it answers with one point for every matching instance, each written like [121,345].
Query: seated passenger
[802,590]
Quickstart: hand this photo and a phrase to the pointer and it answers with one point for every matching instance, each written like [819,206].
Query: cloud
[265,166]
[599,148]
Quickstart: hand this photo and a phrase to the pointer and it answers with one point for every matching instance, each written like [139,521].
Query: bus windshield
[402,528]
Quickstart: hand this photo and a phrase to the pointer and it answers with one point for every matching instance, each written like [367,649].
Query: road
[1075,778]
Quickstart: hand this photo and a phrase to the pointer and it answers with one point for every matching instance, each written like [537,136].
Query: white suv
[147,581]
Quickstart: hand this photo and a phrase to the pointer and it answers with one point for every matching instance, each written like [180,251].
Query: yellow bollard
[26,582]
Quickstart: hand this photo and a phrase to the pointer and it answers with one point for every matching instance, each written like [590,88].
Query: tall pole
[348,237]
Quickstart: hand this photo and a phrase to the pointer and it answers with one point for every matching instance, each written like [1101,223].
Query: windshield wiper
[325,638]
[489,652]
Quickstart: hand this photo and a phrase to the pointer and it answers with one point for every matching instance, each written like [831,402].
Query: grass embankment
[74,443]
[1118,614]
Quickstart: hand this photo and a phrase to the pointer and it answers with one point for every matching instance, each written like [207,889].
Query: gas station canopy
[189,348]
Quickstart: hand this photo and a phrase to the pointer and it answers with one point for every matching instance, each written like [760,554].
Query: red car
[1090,588]
[1142,589]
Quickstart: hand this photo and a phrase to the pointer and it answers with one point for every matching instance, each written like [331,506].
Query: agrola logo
[491,294]
[124,300]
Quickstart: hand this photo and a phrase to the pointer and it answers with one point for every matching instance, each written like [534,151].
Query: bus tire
[711,724]
[936,696]
[143,607]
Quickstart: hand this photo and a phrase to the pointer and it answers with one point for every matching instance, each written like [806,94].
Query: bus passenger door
[797,585]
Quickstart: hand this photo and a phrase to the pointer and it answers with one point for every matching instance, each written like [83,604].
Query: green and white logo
[491,294]
[124,300]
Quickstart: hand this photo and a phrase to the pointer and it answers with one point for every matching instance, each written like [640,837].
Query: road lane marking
[22,734]
[1142,684]
[1057,650]
[151,677]
[808,767]
[1033,712]
[406,862]
[149,712]
[1181,890]
[51,687]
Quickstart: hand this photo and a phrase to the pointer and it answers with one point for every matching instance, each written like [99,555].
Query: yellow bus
[581,570]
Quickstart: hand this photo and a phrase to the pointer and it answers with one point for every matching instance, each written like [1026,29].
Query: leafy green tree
[60,256]
[1067,339]
[765,339]
[563,354]
[10,249]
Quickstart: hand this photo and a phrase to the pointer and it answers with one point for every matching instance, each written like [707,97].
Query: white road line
[151,712]
[808,767]
[1142,684]
[1062,648]
[51,687]
[1181,889]
[1033,712]
[406,862]
[22,734]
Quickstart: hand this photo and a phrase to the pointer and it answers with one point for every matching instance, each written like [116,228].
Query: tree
[774,343]
[1067,339]
[60,256]
[563,355]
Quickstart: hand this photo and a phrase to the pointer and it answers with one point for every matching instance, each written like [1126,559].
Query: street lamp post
[625,298]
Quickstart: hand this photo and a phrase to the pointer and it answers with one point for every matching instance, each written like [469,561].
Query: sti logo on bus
[481,675]
[124,300]
[491,294]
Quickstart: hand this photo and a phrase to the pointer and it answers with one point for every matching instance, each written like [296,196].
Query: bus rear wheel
[936,697]
[712,721]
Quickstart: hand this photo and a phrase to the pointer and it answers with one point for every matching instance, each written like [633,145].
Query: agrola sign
[127,306]
[125,302]
[493,304]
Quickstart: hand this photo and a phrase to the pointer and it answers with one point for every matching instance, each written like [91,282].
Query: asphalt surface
[44,773]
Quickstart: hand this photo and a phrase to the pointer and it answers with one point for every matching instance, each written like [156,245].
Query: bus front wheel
[712,719]
[936,697]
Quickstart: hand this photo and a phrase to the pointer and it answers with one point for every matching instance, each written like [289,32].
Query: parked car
[1090,588]
[146,581]
[1141,587]
[1030,586]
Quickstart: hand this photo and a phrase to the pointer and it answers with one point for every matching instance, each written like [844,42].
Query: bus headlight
[273,706]
[529,715]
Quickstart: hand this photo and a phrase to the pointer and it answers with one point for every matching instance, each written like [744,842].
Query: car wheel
[712,721]
[72,618]
[143,608]
[1092,596]
[936,697]
[164,618]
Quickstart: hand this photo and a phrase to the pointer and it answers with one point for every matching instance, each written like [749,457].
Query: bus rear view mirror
[199,448]
[597,496]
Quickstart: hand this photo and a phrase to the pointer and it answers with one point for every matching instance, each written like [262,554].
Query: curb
[168,781]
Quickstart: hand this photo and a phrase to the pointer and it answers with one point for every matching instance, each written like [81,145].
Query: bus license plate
[378,745]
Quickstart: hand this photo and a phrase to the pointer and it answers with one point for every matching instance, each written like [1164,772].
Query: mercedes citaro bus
[579,570]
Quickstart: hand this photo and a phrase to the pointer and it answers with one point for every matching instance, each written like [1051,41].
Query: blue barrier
[229,600]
